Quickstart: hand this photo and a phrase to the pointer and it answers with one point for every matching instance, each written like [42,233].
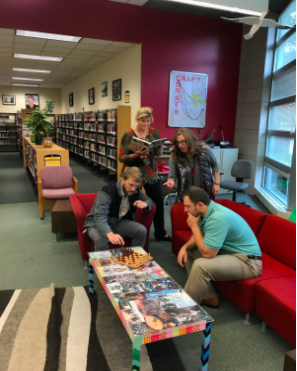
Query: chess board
[134,260]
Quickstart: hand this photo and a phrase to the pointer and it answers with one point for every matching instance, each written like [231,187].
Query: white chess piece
[256,23]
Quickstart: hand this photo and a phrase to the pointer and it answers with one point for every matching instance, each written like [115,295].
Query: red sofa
[272,295]
[82,204]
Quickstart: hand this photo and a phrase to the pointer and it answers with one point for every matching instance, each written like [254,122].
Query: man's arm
[102,207]
[143,197]
[206,252]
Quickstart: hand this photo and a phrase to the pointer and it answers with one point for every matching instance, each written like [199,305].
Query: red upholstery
[278,239]
[254,218]
[243,292]
[82,204]
[276,305]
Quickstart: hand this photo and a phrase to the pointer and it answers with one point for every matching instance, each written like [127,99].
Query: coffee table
[150,304]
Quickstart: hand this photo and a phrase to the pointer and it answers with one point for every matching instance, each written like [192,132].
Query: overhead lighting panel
[15,84]
[26,78]
[38,57]
[50,36]
[218,6]
[30,70]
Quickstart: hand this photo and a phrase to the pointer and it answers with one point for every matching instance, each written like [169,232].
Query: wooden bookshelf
[8,132]
[95,135]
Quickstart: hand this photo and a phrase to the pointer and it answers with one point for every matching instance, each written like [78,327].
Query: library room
[148,185]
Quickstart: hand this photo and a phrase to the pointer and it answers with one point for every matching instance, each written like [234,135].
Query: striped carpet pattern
[65,329]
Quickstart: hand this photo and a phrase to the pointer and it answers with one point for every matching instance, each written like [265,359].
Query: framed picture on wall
[32,101]
[71,100]
[117,90]
[91,96]
[104,89]
[8,100]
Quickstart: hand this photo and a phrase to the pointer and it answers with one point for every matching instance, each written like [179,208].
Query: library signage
[187,99]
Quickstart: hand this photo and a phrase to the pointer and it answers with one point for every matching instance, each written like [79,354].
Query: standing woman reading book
[192,163]
[145,160]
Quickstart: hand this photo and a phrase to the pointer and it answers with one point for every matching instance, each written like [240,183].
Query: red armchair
[82,204]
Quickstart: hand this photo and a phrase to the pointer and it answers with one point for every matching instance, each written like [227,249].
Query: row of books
[100,159]
[105,115]
[109,128]
[107,140]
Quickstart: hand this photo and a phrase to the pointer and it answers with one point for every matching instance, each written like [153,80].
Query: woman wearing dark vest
[146,162]
[192,163]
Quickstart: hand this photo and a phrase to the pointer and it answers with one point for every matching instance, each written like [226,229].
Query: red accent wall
[170,41]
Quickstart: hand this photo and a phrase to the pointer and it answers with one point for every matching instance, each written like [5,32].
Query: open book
[137,144]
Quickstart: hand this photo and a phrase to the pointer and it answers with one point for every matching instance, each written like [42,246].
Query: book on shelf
[137,144]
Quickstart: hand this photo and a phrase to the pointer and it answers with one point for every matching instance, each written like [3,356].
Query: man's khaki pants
[229,267]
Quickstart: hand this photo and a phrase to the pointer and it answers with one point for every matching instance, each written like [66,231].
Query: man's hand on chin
[192,220]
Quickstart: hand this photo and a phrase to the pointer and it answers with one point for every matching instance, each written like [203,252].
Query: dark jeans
[154,192]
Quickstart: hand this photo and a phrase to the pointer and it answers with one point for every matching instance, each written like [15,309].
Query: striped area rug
[65,329]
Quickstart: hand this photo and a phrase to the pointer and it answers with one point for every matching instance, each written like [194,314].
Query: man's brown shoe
[211,302]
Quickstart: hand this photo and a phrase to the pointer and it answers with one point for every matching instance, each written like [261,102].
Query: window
[280,142]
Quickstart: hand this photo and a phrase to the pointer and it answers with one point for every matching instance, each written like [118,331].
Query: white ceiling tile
[108,55]
[76,57]
[6,44]
[29,40]
[53,54]
[97,48]
[6,38]
[6,50]
[28,46]
[26,51]
[57,49]
[5,54]
[61,44]
[95,41]
[114,49]
[49,63]
[7,31]
[89,53]
[121,45]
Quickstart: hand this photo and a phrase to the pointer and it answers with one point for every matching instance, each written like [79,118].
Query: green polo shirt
[227,231]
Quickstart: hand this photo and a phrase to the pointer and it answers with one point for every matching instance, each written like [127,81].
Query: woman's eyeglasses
[181,142]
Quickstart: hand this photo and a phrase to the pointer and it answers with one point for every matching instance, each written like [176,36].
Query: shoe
[211,302]
[164,238]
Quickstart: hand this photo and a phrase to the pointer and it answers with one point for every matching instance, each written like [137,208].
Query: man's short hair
[196,195]
[132,172]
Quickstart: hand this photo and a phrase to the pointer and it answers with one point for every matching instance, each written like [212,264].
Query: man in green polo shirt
[222,248]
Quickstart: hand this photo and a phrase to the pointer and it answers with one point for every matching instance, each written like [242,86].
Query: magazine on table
[137,144]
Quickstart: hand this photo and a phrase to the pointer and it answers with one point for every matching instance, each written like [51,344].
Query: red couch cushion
[276,305]
[243,292]
[254,218]
[278,239]
[179,218]
[179,238]
[220,201]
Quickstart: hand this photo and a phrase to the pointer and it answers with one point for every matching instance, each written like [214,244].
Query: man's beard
[126,192]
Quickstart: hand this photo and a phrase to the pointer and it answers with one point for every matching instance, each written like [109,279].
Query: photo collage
[149,299]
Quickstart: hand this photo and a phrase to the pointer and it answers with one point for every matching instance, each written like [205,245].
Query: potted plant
[40,125]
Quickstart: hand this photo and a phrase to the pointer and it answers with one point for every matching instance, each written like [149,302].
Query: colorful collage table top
[151,305]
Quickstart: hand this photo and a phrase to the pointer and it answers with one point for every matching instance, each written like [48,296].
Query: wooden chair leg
[41,209]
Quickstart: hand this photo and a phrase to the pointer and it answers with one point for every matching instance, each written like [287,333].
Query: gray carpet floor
[30,258]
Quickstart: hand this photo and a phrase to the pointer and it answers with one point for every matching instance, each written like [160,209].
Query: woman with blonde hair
[192,163]
[146,162]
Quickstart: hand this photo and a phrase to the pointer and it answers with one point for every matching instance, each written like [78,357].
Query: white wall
[20,91]
[125,66]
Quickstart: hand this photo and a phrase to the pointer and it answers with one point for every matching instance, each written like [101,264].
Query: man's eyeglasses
[181,142]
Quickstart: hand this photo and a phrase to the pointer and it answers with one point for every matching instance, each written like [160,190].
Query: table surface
[150,304]
[62,206]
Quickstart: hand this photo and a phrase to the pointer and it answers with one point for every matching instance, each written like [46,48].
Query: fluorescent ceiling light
[38,57]
[15,84]
[217,6]
[29,70]
[51,36]
[26,78]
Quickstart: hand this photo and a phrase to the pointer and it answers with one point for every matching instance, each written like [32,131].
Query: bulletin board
[187,99]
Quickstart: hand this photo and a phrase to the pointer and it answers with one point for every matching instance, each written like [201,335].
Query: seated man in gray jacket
[112,216]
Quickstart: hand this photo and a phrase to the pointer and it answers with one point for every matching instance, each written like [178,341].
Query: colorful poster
[187,99]
[104,89]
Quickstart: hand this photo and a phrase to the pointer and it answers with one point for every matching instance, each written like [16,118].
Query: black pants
[154,192]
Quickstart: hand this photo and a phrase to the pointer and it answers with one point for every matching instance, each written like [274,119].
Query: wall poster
[187,99]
